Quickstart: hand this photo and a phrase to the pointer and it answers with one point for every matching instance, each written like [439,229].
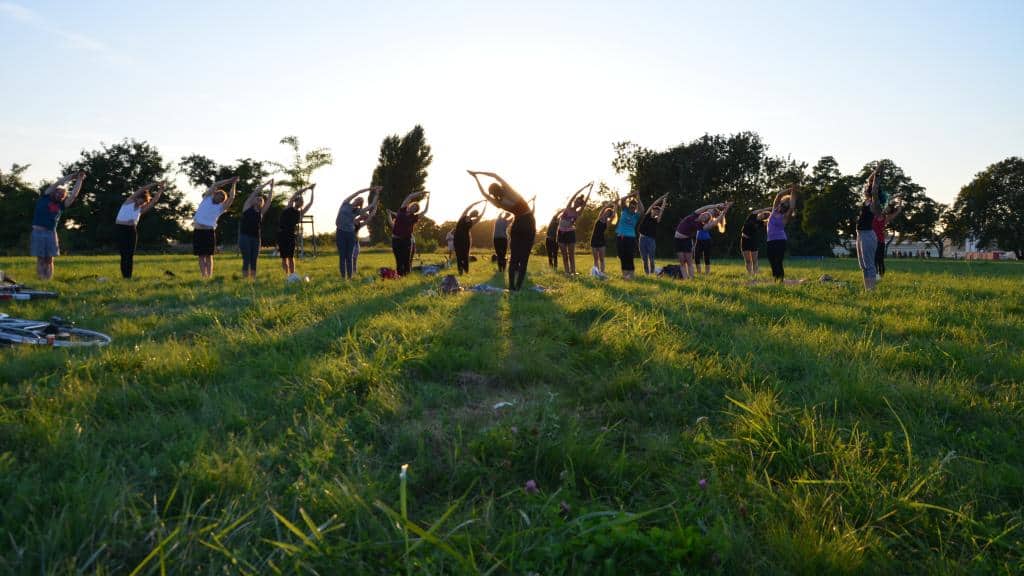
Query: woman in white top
[204,236]
[125,231]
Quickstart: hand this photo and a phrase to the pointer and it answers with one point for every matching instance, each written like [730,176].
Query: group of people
[514,228]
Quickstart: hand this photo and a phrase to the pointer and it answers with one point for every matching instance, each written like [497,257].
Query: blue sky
[536,91]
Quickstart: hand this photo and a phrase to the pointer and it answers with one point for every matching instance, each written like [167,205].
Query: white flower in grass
[404,472]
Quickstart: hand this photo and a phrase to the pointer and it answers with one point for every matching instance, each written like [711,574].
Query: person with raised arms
[361,220]
[404,222]
[127,221]
[867,240]
[749,238]
[287,235]
[49,207]
[524,226]
[889,213]
[702,246]
[598,240]
[345,230]
[567,227]
[630,209]
[204,224]
[647,229]
[783,209]
[500,239]
[250,231]
[551,241]
[702,218]
[462,239]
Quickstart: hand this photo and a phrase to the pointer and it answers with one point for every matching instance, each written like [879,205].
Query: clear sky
[536,91]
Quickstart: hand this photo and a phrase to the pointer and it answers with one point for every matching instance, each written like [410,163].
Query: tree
[401,170]
[202,171]
[829,207]
[300,171]
[991,208]
[18,200]
[114,172]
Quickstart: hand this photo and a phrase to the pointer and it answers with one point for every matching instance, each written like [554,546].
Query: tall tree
[829,207]
[920,214]
[115,171]
[300,170]
[401,170]
[991,208]
[202,171]
[18,200]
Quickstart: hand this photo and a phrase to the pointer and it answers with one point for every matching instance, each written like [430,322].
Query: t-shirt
[207,213]
[500,228]
[878,225]
[703,234]
[404,222]
[252,220]
[129,212]
[289,220]
[346,220]
[462,228]
[567,223]
[47,212]
[648,226]
[750,228]
[627,223]
[865,218]
[688,226]
[776,226]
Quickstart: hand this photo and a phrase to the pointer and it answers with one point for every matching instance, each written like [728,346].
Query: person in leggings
[749,236]
[551,241]
[783,209]
[648,229]
[524,227]
[567,227]
[598,242]
[362,219]
[703,218]
[630,209]
[867,240]
[287,225]
[126,230]
[402,228]
[500,239]
[462,239]
[879,224]
[249,234]
[345,231]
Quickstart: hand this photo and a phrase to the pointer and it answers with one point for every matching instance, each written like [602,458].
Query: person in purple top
[704,218]
[783,210]
[401,230]
[44,245]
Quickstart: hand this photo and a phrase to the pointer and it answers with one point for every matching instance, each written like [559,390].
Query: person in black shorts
[286,235]
[524,227]
[462,238]
[567,226]
[598,240]
[750,238]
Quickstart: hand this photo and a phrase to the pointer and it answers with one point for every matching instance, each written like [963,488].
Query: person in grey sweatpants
[867,241]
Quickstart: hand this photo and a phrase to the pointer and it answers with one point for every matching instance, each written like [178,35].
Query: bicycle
[56,332]
[11,290]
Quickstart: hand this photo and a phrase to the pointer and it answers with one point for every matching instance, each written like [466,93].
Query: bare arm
[792,204]
[426,206]
[718,218]
[213,187]
[230,194]
[73,195]
[270,196]
[154,199]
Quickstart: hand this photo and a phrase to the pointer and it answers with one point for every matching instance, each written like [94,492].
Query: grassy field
[652,427]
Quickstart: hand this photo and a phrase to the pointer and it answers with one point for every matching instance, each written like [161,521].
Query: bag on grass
[388,274]
[672,271]
[450,285]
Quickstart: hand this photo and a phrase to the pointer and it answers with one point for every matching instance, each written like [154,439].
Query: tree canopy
[990,209]
[401,170]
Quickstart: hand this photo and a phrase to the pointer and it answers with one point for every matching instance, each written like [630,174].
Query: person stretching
[749,238]
[783,209]
[702,247]
[567,227]
[648,228]
[689,225]
[524,227]
[250,231]
[401,231]
[345,231]
[463,240]
[204,234]
[44,244]
[630,209]
[365,216]
[127,221]
[500,239]
[867,240]
[286,233]
[598,242]
[889,213]
[551,241]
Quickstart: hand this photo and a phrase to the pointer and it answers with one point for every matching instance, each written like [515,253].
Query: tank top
[289,220]
[648,226]
[252,219]
[703,234]
[567,223]
[600,227]
[776,226]
[129,212]
[627,223]
[500,228]
[688,226]
[865,218]
[47,212]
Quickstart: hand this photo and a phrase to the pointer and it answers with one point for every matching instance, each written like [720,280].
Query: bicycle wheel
[78,337]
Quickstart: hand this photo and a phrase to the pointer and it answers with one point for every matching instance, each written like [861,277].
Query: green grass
[240,428]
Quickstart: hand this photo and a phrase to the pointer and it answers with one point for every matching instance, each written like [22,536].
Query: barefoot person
[500,239]
[127,221]
[462,239]
[44,245]
[204,235]
[250,231]
[750,238]
[889,213]
[867,240]
[783,209]
[630,209]
[567,227]
[286,232]
[524,227]
[647,229]
[598,239]
[401,231]
[701,218]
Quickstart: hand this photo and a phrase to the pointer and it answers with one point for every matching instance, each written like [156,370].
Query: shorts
[567,237]
[204,242]
[598,242]
[748,245]
[684,245]
[44,244]
[286,246]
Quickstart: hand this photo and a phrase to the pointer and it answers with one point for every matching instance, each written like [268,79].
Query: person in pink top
[567,227]
[878,224]
[704,218]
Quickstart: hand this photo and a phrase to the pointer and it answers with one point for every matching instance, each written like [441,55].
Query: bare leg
[572,257]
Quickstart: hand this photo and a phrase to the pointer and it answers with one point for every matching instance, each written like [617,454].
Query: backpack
[388,274]
[672,271]
[450,285]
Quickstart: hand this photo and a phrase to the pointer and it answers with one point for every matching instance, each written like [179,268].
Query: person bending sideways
[598,240]
[127,222]
[551,241]
[204,235]
[462,239]
[703,218]
[867,240]
[567,227]
[630,209]
[783,210]
[251,228]
[524,225]
[361,219]
[647,229]
[287,235]
[404,223]
[49,207]
[750,238]
[500,239]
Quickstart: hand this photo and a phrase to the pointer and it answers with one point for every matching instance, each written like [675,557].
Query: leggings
[250,249]
[867,245]
[127,238]
[551,246]
[521,236]
[702,248]
[626,246]
[462,255]
[402,249]
[647,248]
[776,252]
[880,258]
[346,242]
[501,250]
